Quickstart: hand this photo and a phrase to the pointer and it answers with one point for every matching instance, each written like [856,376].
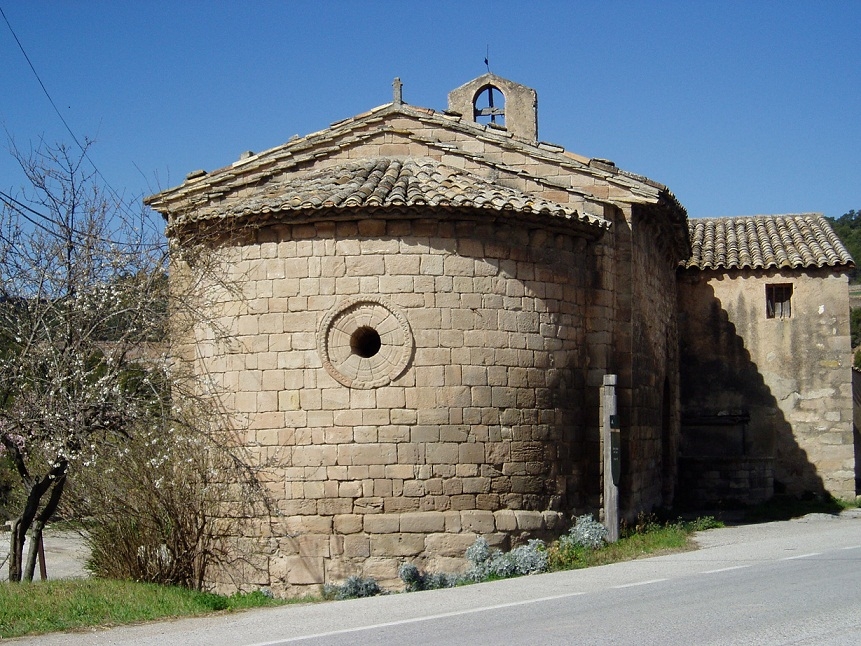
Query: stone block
[332,506]
[313,545]
[441,453]
[452,486]
[368,505]
[400,471]
[478,521]
[297,525]
[297,570]
[487,501]
[431,265]
[313,489]
[471,453]
[453,433]
[314,455]
[365,266]
[367,454]
[347,523]
[397,544]
[424,433]
[476,485]
[462,501]
[429,521]
[398,504]
[452,521]
[382,569]
[382,523]
[449,544]
[553,520]
[413,488]
[357,546]
[505,520]
[529,520]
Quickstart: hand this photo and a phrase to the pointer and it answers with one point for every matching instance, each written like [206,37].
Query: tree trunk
[16,549]
[32,550]
[39,524]
[20,525]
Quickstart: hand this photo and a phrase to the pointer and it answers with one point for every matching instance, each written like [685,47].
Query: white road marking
[851,547]
[726,569]
[800,556]
[418,619]
[631,585]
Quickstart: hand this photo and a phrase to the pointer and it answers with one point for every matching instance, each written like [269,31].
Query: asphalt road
[796,582]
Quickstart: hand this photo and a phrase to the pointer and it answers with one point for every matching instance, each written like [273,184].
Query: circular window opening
[365,342]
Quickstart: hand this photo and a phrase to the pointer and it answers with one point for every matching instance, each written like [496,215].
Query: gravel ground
[65,553]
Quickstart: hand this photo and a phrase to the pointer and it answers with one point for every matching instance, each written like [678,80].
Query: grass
[646,538]
[62,605]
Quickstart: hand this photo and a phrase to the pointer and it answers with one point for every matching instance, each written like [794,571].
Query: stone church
[430,301]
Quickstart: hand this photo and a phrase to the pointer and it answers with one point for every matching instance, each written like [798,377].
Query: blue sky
[739,107]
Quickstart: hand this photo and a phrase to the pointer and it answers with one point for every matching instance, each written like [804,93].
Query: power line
[42,85]
[113,193]
[22,209]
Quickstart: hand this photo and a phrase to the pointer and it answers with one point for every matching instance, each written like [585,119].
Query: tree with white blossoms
[83,301]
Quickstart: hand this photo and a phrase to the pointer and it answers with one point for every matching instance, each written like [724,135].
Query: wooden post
[43,571]
[610,440]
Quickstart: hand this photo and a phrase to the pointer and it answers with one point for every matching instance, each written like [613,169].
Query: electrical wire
[22,209]
[114,194]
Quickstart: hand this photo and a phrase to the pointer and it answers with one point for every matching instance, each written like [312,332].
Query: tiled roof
[201,186]
[765,241]
[383,183]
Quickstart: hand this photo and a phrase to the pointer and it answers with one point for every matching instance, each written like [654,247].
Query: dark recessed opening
[365,342]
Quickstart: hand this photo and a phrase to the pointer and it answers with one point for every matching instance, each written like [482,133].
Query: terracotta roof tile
[765,241]
[386,183]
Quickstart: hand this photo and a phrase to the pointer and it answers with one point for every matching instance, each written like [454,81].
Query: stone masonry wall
[796,389]
[471,420]
[650,463]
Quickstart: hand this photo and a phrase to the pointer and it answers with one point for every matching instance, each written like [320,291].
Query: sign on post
[611,439]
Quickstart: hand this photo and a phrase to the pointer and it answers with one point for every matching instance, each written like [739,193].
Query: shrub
[586,535]
[586,532]
[165,507]
[487,563]
[354,587]
[415,580]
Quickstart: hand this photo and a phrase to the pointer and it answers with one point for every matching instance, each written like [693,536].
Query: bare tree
[83,301]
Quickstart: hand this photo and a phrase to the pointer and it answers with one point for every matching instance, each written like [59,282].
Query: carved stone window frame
[365,342]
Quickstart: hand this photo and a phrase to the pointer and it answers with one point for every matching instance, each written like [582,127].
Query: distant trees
[848,227]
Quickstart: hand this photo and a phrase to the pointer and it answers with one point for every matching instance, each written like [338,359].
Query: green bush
[585,535]
[355,587]
[416,580]
[156,508]
[487,563]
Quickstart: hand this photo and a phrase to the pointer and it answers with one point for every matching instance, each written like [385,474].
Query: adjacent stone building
[766,370]
[429,304]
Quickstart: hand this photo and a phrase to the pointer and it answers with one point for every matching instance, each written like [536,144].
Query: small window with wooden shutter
[778,301]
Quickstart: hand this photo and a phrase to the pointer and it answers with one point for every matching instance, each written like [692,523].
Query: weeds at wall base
[583,546]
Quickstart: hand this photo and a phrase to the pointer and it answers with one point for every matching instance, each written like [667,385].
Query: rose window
[365,342]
